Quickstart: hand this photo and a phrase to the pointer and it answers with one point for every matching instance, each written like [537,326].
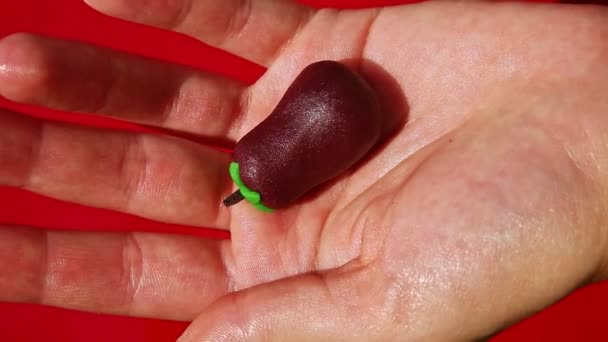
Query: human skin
[487,206]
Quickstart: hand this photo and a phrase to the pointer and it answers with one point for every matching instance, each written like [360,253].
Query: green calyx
[251,196]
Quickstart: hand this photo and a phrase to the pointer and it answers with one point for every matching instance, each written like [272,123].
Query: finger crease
[300,26]
[132,169]
[325,222]
[36,154]
[46,271]
[240,107]
[366,32]
[109,88]
[174,107]
[238,21]
[184,10]
[132,258]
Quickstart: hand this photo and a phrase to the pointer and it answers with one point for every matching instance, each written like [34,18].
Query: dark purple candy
[327,120]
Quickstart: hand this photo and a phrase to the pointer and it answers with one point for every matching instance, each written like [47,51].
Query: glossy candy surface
[327,120]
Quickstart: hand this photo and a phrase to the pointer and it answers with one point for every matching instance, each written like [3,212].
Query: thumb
[315,307]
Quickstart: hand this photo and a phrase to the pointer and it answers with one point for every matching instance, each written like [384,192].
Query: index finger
[77,77]
[253,29]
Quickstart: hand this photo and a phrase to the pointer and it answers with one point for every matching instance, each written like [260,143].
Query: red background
[578,317]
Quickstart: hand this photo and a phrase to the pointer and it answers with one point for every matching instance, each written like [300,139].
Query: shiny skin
[488,206]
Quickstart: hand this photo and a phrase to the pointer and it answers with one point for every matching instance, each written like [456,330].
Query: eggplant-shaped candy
[328,119]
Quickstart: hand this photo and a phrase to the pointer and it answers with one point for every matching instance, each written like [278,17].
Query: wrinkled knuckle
[132,259]
[201,102]
[132,169]
[239,109]
[238,20]
[178,13]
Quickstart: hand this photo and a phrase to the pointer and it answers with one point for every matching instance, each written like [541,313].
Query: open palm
[484,207]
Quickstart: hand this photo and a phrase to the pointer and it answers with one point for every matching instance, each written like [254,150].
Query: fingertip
[105,6]
[134,10]
[23,67]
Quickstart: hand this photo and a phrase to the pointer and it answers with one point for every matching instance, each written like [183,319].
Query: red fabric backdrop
[578,317]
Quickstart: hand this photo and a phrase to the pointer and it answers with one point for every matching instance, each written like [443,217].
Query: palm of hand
[466,209]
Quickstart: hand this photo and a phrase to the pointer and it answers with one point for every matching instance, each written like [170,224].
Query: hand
[486,206]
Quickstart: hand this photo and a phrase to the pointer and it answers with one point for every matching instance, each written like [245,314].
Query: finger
[159,178]
[136,274]
[253,29]
[76,77]
[315,307]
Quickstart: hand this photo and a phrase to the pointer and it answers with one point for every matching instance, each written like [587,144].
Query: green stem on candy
[251,196]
